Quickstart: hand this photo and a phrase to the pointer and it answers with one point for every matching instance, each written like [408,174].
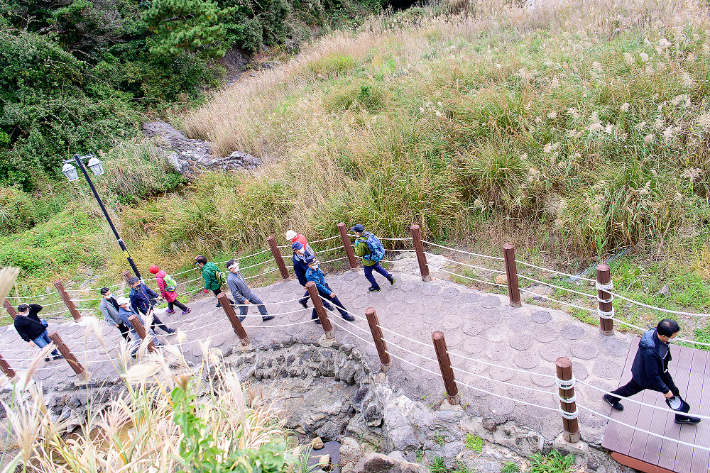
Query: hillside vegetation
[573,129]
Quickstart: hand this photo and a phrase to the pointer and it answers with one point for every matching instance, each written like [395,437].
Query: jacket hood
[161,274]
[648,339]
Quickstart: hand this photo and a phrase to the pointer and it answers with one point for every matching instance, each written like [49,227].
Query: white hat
[290,235]
[122,300]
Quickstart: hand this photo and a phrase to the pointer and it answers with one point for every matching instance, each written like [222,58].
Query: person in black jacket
[143,300]
[650,369]
[300,254]
[33,330]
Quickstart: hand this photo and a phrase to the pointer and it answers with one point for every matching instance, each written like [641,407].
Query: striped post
[277,256]
[81,373]
[67,301]
[565,383]
[606,309]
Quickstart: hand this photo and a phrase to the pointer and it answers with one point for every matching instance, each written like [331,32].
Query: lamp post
[98,169]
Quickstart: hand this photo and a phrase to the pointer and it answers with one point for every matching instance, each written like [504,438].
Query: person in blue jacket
[650,369]
[142,302]
[315,274]
[300,254]
[125,312]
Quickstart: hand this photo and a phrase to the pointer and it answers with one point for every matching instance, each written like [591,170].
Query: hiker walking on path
[294,237]
[242,294]
[124,312]
[142,302]
[369,248]
[214,278]
[33,330]
[109,307]
[168,290]
[650,371]
[301,252]
[315,274]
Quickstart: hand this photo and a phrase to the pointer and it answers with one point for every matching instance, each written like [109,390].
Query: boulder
[379,463]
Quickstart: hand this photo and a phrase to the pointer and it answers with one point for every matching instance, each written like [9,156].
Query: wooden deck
[652,454]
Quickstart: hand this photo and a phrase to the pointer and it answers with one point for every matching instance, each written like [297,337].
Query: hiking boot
[266,318]
[46,358]
[304,303]
[242,317]
[317,321]
[185,312]
[219,304]
[374,289]
[393,280]
[687,420]
[57,357]
[170,311]
[613,403]
[348,317]
[170,331]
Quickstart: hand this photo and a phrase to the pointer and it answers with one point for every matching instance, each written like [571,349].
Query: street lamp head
[96,166]
[70,172]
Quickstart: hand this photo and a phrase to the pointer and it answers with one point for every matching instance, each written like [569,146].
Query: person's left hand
[668,395]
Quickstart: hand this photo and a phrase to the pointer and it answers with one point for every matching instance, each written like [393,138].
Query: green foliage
[439,439]
[186,25]
[510,467]
[474,442]
[201,452]
[332,65]
[438,465]
[555,462]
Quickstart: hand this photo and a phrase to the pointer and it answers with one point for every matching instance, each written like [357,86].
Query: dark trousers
[378,268]
[124,330]
[632,387]
[307,296]
[177,303]
[334,300]
[217,292]
[243,309]
[159,323]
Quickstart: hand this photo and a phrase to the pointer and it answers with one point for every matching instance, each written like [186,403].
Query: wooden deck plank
[640,439]
[658,425]
[680,370]
[701,458]
[614,432]
[684,454]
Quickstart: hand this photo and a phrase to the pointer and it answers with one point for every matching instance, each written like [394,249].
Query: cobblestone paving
[494,348]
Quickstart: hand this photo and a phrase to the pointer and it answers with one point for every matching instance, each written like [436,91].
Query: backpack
[170,284]
[377,251]
[221,277]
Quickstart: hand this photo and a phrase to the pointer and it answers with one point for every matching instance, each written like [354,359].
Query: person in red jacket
[294,237]
[169,296]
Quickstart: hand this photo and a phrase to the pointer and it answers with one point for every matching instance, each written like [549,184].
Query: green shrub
[555,462]
[510,467]
[331,66]
[474,442]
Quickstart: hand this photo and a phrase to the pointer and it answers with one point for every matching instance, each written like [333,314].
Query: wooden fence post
[10,309]
[320,310]
[606,309]
[511,274]
[565,382]
[277,256]
[442,354]
[9,372]
[374,324]
[126,276]
[347,245]
[67,301]
[142,332]
[81,373]
[233,319]
[419,249]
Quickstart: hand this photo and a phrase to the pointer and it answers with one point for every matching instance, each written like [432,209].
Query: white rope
[334,260]
[567,400]
[553,271]
[357,336]
[605,287]
[558,301]
[606,314]
[569,415]
[565,383]
[667,311]
[396,239]
[541,391]
[465,264]
[562,288]
[473,279]
[633,427]
[262,274]
[324,239]
[278,326]
[606,301]
[497,258]
[400,251]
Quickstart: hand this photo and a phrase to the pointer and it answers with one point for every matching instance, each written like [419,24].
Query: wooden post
[277,256]
[419,248]
[442,354]
[320,310]
[378,338]
[126,276]
[233,319]
[347,245]
[606,326]
[81,373]
[9,372]
[10,309]
[570,426]
[511,274]
[138,326]
[67,301]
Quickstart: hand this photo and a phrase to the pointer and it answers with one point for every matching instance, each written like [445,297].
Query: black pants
[334,300]
[217,292]
[307,296]
[159,323]
[632,387]
[124,330]
[177,303]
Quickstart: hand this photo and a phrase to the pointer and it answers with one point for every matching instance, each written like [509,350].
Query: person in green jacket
[369,265]
[210,275]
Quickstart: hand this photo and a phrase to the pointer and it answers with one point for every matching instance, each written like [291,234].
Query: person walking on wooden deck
[242,294]
[369,248]
[650,370]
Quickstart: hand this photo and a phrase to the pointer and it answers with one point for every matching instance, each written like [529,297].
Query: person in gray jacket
[124,313]
[109,307]
[242,294]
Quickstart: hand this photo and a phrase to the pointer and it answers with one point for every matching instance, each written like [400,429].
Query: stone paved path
[480,329]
